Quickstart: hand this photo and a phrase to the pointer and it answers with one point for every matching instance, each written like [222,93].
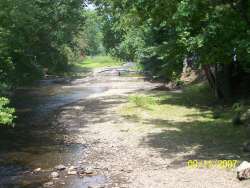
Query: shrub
[6,113]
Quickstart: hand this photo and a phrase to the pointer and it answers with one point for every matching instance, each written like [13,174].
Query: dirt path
[118,147]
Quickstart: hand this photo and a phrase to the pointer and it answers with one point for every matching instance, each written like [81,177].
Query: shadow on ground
[200,136]
[182,141]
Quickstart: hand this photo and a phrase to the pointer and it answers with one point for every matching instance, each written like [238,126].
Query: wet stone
[60,167]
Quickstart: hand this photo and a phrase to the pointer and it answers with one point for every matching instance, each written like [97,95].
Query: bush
[6,113]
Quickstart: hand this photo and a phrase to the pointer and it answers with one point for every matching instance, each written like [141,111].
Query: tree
[170,31]
[93,34]
[35,34]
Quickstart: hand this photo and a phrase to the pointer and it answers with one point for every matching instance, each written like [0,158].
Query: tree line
[39,37]
[161,34]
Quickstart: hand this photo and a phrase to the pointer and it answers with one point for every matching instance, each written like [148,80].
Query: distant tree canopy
[160,34]
[93,34]
[37,34]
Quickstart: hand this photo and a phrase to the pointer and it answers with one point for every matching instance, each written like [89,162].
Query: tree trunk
[213,80]
[221,80]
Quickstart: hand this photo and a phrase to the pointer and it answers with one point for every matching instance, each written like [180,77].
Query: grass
[186,123]
[143,101]
[99,62]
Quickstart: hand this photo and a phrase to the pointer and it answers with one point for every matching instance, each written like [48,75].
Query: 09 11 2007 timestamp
[221,164]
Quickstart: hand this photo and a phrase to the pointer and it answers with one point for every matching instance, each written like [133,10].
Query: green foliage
[160,34]
[238,107]
[93,34]
[143,101]
[37,34]
[6,113]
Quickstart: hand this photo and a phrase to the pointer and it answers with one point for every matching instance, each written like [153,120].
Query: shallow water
[35,142]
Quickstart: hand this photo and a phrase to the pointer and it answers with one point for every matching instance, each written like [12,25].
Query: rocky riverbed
[72,136]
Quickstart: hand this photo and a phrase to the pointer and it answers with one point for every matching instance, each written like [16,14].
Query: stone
[60,167]
[72,172]
[89,170]
[48,184]
[72,168]
[37,170]
[85,171]
[54,175]
[243,170]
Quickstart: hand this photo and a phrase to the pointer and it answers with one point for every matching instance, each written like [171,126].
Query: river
[35,142]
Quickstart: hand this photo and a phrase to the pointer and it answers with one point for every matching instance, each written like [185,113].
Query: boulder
[243,171]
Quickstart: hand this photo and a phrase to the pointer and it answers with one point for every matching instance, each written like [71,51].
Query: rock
[88,170]
[72,168]
[82,171]
[60,167]
[54,175]
[72,172]
[48,184]
[37,170]
[243,170]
